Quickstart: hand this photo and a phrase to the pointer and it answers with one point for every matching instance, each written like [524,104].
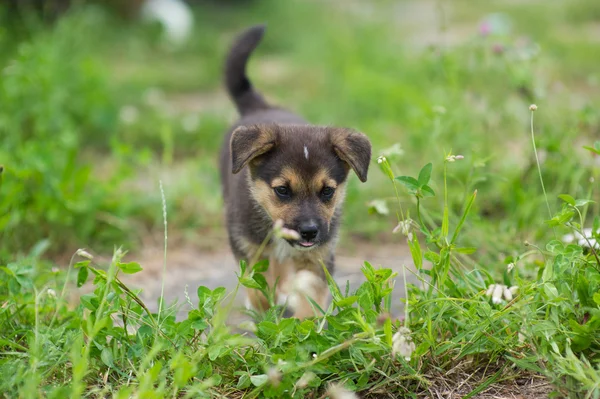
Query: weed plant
[505,290]
[459,319]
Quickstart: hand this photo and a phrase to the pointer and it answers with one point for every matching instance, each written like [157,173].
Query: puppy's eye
[327,193]
[283,192]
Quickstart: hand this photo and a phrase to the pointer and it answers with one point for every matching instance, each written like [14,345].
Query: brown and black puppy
[274,165]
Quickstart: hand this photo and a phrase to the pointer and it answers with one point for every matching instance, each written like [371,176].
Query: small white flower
[289,234]
[283,232]
[51,293]
[381,159]
[55,269]
[533,107]
[454,158]
[278,224]
[500,293]
[274,376]
[583,240]
[393,151]
[305,380]
[129,114]
[510,266]
[337,391]
[84,254]
[153,97]
[402,344]
[403,227]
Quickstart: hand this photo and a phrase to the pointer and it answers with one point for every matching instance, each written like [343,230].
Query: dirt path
[189,267]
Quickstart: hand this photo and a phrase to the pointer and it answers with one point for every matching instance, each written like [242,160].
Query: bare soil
[189,266]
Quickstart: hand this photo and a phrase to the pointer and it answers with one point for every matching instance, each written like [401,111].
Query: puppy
[276,166]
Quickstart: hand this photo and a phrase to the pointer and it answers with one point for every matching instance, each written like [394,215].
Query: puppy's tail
[239,87]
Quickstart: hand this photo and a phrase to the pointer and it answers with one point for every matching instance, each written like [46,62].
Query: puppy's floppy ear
[248,142]
[354,148]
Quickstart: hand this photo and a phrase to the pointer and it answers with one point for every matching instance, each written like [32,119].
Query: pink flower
[485,28]
[498,48]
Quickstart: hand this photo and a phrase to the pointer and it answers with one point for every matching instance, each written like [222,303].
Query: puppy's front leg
[278,277]
[307,284]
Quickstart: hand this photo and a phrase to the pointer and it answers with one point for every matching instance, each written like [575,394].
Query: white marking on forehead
[306,152]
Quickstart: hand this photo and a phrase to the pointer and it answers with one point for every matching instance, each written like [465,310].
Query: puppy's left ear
[249,142]
[354,148]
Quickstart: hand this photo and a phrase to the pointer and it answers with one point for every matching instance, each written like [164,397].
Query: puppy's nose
[308,231]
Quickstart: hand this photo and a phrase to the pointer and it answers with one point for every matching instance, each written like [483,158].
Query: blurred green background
[97,106]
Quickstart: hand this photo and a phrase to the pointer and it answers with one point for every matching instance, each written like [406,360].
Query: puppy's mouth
[303,245]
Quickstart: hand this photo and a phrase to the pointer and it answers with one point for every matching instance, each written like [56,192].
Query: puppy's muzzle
[309,234]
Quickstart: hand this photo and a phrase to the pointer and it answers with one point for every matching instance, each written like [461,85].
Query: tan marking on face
[279,181]
[276,209]
[300,188]
[327,209]
[293,180]
[320,180]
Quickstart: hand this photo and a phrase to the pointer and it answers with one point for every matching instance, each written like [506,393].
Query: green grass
[95,112]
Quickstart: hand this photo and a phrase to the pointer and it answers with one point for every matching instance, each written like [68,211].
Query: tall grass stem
[537,160]
[164,272]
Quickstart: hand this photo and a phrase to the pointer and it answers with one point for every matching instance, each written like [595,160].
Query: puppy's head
[298,173]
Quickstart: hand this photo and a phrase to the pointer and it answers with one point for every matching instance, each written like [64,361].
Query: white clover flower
[583,240]
[500,293]
[129,114]
[305,380]
[84,254]
[454,158]
[278,224]
[337,391]
[402,344]
[274,376]
[283,232]
[153,97]
[403,227]
[289,234]
[394,150]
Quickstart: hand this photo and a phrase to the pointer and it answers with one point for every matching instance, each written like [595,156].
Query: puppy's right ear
[248,142]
